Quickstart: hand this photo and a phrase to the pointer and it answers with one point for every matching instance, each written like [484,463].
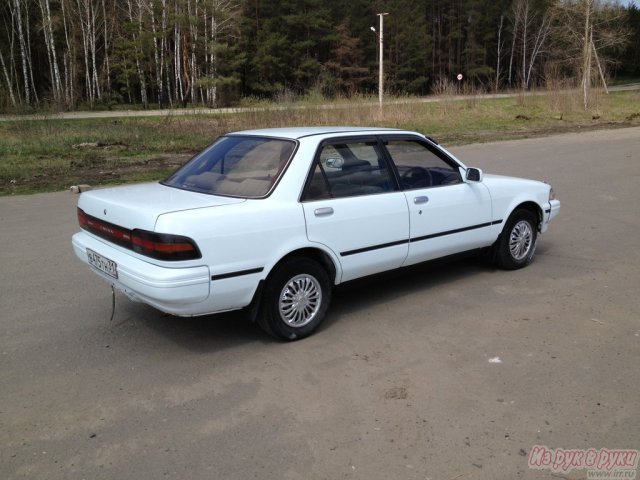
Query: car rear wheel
[517,244]
[296,299]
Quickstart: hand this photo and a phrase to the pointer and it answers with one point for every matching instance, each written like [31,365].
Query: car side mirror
[474,175]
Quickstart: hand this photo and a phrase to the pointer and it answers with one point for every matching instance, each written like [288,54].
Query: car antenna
[113,303]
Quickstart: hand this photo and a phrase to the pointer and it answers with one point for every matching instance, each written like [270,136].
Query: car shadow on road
[233,329]
[203,333]
[373,291]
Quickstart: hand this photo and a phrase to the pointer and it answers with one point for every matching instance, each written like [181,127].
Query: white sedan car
[271,220]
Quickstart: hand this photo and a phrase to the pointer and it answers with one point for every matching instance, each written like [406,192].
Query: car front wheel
[296,299]
[517,244]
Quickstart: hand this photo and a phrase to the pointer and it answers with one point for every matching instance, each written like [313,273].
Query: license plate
[102,263]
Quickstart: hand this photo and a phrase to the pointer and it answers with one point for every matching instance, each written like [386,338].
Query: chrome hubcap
[521,240]
[300,300]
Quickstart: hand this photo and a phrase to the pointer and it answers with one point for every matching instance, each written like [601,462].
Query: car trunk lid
[138,206]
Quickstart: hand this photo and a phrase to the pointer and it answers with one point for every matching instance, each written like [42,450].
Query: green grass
[51,154]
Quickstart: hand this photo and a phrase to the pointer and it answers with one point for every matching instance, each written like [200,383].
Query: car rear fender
[323,257]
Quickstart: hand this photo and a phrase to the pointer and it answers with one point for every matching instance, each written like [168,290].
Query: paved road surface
[397,384]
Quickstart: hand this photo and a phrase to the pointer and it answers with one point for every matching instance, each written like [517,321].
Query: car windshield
[235,166]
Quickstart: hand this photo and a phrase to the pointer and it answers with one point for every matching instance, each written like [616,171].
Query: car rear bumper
[172,290]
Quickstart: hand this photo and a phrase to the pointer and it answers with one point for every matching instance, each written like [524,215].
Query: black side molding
[457,230]
[239,273]
[418,239]
[373,247]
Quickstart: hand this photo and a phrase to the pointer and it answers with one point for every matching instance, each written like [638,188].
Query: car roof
[300,132]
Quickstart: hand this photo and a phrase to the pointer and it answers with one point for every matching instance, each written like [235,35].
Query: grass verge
[50,154]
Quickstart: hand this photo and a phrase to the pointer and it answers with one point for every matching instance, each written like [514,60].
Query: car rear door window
[349,169]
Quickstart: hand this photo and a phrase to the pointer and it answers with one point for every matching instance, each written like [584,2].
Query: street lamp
[381,67]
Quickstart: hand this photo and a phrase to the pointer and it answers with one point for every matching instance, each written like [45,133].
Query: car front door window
[420,167]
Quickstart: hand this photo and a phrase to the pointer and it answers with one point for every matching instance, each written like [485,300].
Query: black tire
[516,246]
[295,300]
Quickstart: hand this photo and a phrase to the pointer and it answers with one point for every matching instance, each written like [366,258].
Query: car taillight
[164,246]
[108,231]
[161,246]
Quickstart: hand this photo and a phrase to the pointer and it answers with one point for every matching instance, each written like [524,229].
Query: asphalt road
[396,385]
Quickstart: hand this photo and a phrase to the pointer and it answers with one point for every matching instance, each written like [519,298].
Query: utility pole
[381,59]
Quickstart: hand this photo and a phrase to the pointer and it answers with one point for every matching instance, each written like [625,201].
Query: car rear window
[235,166]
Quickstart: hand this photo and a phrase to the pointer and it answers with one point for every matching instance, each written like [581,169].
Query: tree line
[170,53]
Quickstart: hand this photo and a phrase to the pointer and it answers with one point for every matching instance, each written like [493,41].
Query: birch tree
[68,59]
[156,55]
[16,17]
[530,29]
[499,53]
[516,14]
[7,80]
[220,28]
[537,44]
[177,64]
[47,28]
[89,31]
[584,30]
[108,29]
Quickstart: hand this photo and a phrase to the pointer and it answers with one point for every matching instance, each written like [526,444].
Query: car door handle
[419,200]
[323,212]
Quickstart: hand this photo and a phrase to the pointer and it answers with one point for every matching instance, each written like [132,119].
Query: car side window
[349,169]
[419,167]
